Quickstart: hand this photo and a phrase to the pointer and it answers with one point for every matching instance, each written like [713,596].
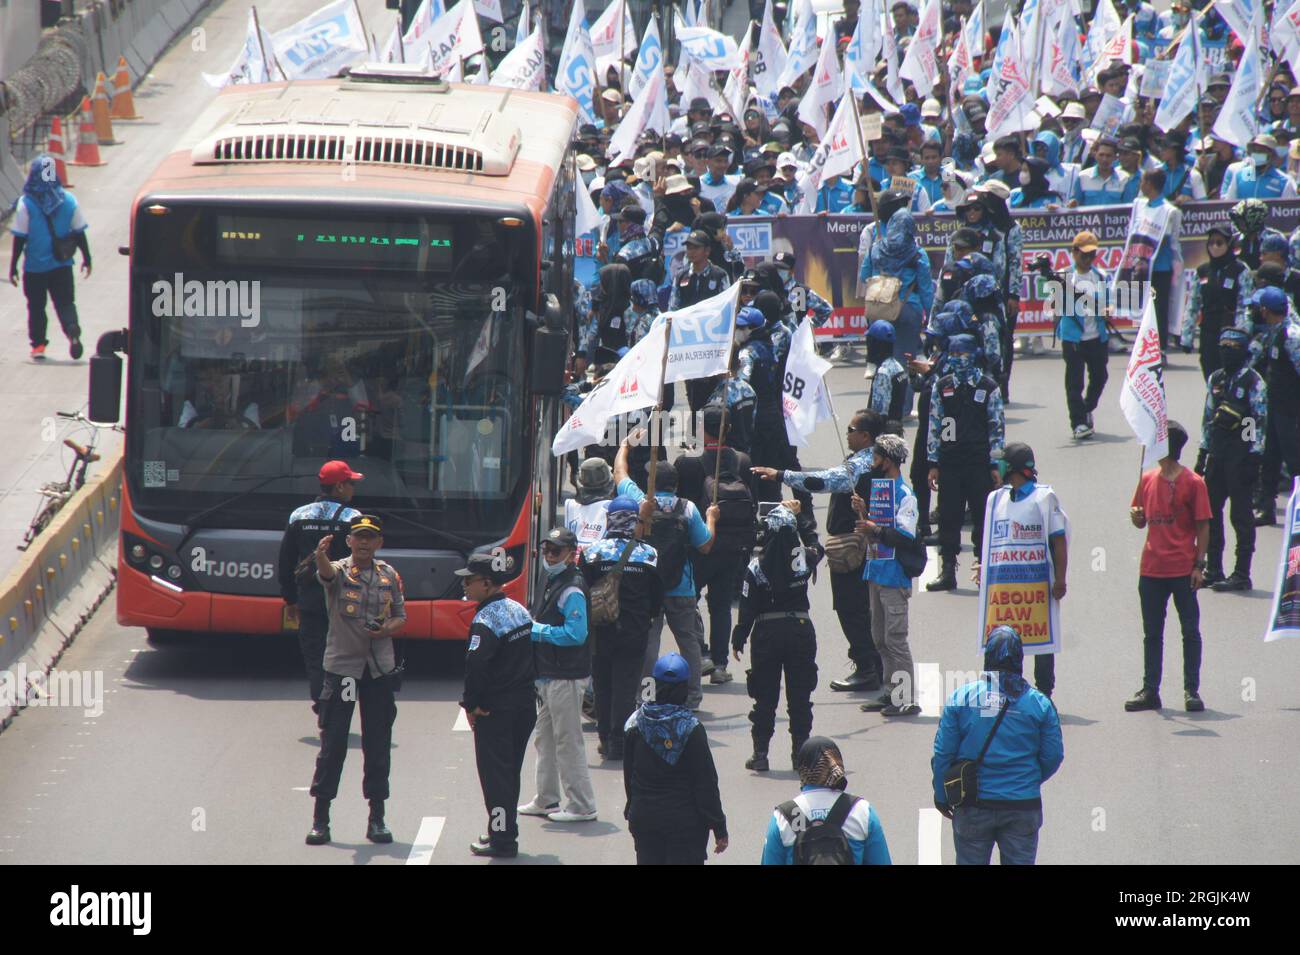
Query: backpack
[737,512]
[820,841]
[668,537]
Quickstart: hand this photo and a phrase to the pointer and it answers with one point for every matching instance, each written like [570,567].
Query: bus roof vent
[450,140]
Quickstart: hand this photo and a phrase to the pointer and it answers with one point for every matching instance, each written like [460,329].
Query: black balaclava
[770,305]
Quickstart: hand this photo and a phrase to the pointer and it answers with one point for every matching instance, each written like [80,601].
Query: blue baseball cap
[1234,336]
[962,345]
[1273,299]
[672,668]
[750,317]
[1273,242]
[881,331]
[911,114]
[622,503]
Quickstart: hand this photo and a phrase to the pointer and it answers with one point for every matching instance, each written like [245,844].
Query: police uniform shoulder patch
[980,395]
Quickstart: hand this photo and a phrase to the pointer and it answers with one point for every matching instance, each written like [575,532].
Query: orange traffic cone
[87,141]
[123,102]
[56,150]
[99,109]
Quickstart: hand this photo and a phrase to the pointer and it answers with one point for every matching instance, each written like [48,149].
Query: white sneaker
[837,353]
[533,809]
[565,816]
[1082,431]
[720,675]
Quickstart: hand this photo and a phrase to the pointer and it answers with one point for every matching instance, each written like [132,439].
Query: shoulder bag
[961,783]
[63,247]
[602,600]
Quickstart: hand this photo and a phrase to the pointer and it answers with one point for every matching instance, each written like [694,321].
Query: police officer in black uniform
[966,426]
[1232,440]
[774,606]
[1282,376]
[304,600]
[1218,287]
[499,697]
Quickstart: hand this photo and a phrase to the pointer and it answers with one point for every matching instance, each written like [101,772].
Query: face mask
[961,364]
[742,335]
[1232,358]
[1025,178]
[1259,159]
[553,569]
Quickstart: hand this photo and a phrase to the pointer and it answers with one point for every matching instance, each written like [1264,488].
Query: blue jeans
[975,830]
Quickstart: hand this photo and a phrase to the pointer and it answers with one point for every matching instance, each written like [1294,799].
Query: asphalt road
[204,751]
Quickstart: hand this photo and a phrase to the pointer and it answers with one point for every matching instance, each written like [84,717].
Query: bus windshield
[245,376]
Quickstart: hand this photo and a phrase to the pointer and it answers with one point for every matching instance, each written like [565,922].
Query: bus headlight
[138,553]
[174,571]
[156,562]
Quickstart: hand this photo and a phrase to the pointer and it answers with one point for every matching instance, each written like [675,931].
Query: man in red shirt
[1171,502]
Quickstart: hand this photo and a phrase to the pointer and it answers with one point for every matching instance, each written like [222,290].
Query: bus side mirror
[105,388]
[552,317]
[106,377]
[550,356]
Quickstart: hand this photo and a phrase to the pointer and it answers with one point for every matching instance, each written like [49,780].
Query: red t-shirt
[1172,510]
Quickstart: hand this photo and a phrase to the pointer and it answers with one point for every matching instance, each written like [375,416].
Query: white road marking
[929,688]
[929,837]
[426,840]
[462,721]
[932,567]
[302,789]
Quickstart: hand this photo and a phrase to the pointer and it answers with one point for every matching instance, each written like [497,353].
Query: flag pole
[658,410]
[722,428]
[866,162]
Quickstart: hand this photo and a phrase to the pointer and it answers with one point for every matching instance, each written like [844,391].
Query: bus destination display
[382,244]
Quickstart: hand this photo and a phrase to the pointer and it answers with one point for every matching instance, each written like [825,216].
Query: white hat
[676,185]
[644,168]
[786,159]
[611,95]
[585,163]
[931,107]
[986,154]
[1074,111]
[596,184]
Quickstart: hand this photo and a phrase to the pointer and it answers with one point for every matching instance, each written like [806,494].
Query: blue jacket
[1025,753]
[862,829]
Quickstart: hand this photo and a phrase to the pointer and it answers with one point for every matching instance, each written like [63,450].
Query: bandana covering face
[42,185]
[665,727]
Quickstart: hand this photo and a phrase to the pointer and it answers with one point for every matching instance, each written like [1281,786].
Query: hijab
[897,250]
[42,185]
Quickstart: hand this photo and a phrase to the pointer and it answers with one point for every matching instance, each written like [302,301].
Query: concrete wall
[20,32]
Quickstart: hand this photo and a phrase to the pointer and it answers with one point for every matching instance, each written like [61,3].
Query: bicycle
[58,493]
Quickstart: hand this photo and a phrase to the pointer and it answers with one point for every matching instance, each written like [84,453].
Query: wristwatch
[1200,564]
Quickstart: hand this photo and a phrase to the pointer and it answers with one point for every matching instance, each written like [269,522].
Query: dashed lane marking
[426,840]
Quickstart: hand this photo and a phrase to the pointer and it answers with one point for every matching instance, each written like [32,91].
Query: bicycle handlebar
[82,419]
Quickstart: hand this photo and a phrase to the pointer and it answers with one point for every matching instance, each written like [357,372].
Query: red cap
[336,472]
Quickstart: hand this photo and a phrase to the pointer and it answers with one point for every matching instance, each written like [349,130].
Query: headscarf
[965,150]
[769,303]
[1228,256]
[996,212]
[821,764]
[897,250]
[615,290]
[1038,187]
[616,192]
[42,185]
[665,727]
[780,540]
[1005,655]
[982,292]
[768,277]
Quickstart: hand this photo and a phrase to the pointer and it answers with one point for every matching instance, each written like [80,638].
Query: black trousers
[771,449]
[615,679]
[1080,356]
[312,628]
[339,696]
[1154,594]
[500,743]
[663,846]
[717,572]
[776,645]
[852,602]
[56,285]
[1045,672]
[960,486]
[1210,360]
[920,467]
[1008,352]
[1231,482]
[1161,285]
[1281,445]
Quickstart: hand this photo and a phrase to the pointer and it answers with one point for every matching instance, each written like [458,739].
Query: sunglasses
[554,550]
[701,154]
[852,430]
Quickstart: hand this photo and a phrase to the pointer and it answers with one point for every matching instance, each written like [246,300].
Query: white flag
[1286,34]
[489,10]
[736,92]
[452,38]
[889,49]
[707,48]
[837,153]
[861,54]
[699,345]
[1057,67]
[1143,397]
[255,62]
[1012,101]
[631,385]
[826,87]
[999,53]
[802,55]
[1237,14]
[521,69]
[1284,612]
[1239,122]
[769,57]
[393,50]
[649,57]
[805,400]
[576,72]
[1181,88]
[587,218]
[961,64]
[319,45]
[921,64]
[606,43]
[649,113]
[1106,26]
[522,28]
[426,15]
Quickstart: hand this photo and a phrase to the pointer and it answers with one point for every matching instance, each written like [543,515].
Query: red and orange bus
[376,268]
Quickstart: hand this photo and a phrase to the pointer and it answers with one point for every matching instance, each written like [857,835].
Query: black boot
[758,762]
[1213,575]
[376,831]
[794,753]
[320,824]
[1238,581]
[947,579]
[1265,514]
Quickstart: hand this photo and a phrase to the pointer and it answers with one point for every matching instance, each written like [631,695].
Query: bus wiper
[196,522]
[463,545]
